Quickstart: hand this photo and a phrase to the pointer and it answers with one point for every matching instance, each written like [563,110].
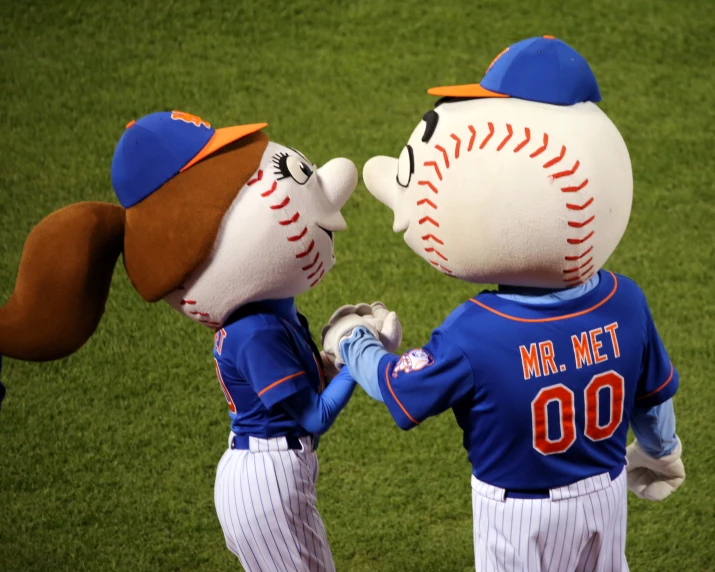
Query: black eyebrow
[431,118]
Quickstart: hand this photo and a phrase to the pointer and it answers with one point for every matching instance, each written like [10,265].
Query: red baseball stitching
[428,202]
[574,241]
[504,142]
[318,269]
[432,237]
[258,177]
[488,137]
[571,171]
[322,273]
[556,159]
[190,302]
[436,168]
[471,139]
[298,236]
[281,205]
[437,252]
[430,185]
[541,149]
[317,255]
[585,252]
[520,146]
[456,147]
[270,191]
[290,220]
[430,220]
[444,154]
[316,263]
[307,251]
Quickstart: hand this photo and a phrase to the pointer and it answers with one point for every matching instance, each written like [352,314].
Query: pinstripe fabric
[581,528]
[266,503]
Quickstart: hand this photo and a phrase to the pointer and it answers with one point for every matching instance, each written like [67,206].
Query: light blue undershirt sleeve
[316,412]
[654,428]
[362,353]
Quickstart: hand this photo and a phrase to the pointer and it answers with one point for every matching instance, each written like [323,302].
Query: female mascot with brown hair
[227,228]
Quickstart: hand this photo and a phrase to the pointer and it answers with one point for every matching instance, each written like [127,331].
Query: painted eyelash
[280,162]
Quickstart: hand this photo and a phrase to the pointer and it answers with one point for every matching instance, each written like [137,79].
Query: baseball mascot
[226,227]
[522,181]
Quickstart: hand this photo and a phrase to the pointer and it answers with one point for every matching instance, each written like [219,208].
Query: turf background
[107,458]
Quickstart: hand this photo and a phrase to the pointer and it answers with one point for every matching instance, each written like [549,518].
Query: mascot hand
[388,324]
[341,325]
[654,479]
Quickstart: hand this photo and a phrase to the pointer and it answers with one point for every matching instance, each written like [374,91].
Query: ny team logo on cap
[188,118]
[542,69]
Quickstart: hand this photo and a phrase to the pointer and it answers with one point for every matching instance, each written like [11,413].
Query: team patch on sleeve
[413,360]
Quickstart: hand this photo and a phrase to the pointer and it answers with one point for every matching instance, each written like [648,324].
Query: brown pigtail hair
[63,282]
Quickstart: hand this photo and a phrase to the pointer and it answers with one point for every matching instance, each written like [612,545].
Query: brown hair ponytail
[63,282]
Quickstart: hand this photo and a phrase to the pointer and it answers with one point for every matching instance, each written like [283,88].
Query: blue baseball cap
[157,147]
[540,69]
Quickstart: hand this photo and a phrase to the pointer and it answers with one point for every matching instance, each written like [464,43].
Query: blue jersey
[543,392]
[265,354]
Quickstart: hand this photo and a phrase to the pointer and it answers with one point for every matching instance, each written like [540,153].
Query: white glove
[388,324]
[654,479]
[376,318]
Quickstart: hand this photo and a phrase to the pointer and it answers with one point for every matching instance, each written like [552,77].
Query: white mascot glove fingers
[654,479]
[341,329]
[391,333]
[361,309]
[388,324]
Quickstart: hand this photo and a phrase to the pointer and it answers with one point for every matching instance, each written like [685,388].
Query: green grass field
[107,459]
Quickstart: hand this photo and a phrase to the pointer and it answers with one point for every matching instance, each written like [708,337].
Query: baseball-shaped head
[518,180]
[244,219]
[275,240]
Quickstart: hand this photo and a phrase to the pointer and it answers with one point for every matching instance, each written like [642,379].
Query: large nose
[338,177]
[380,177]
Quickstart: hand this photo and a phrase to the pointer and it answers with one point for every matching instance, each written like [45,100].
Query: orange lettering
[547,357]
[188,118]
[530,361]
[611,329]
[595,345]
[581,350]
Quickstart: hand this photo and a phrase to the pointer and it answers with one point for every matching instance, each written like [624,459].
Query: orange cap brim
[468,90]
[223,137]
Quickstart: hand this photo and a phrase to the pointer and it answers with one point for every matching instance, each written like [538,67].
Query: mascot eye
[291,166]
[299,170]
[405,166]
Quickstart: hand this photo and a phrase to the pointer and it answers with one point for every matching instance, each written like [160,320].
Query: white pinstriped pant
[265,499]
[581,527]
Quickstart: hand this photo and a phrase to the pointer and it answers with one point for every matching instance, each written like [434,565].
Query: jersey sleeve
[659,380]
[426,381]
[267,361]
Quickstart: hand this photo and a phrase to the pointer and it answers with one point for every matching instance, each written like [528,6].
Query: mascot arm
[654,427]
[317,412]
[421,383]
[362,353]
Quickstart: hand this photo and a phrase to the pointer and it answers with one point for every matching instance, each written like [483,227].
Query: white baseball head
[509,191]
[276,239]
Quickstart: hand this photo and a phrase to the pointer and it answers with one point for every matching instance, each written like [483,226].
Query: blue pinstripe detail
[273,506]
[245,512]
[292,513]
[264,520]
[248,521]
